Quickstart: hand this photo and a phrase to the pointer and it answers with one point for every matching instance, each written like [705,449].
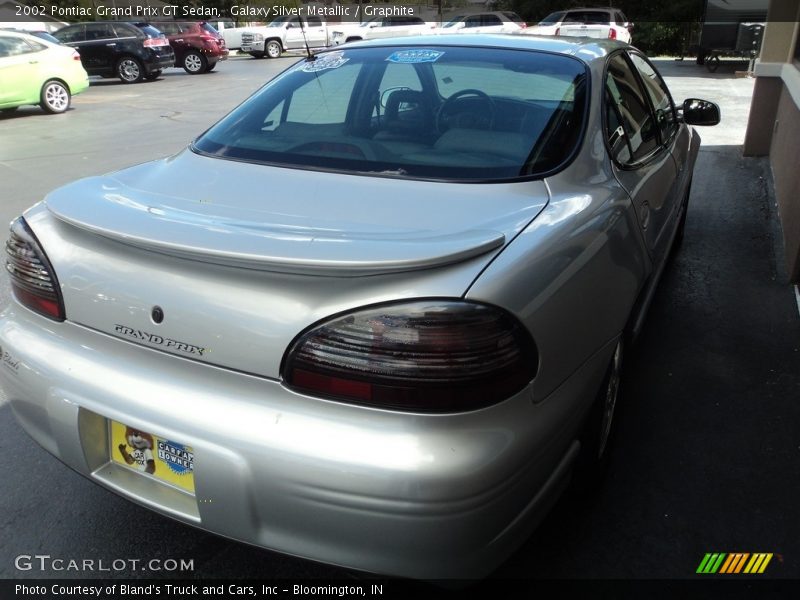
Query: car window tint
[5,47]
[170,28]
[615,133]
[13,46]
[588,16]
[324,99]
[488,20]
[630,102]
[659,95]
[455,113]
[124,30]
[552,18]
[99,31]
[472,21]
[74,33]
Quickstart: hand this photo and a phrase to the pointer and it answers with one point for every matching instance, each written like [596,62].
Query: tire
[712,63]
[55,97]
[154,75]
[129,70]
[256,54]
[273,49]
[210,67]
[598,431]
[194,63]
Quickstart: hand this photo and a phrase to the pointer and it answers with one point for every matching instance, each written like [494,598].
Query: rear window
[432,113]
[552,18]
[589,17]
[150,31]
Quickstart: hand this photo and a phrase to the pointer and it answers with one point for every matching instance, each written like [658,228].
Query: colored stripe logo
[734,563]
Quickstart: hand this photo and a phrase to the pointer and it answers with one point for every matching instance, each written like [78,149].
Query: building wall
[774,125]
[785,158]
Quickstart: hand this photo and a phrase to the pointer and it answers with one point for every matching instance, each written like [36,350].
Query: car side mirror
[700,112]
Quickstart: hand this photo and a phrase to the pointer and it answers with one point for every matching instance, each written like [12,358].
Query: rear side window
[434,113]
[74,33]
[99,31]
[623,90]
[150,31]
[13,46]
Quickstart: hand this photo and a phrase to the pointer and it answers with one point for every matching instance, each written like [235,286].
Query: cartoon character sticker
[166,460]
[138,452]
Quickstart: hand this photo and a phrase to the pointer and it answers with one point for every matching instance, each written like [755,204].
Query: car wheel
[257,54]
[154,75]
[194,63]
[210,67]
[55,97]
[597,433]
[274,49]
[712,63]
[130,70]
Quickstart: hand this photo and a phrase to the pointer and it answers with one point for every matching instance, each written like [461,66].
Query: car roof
[587,49]
[24,35]
[591,9]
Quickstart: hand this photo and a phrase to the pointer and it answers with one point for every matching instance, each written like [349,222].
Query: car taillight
[427,355]
[33,280]
[156,42]
[612,33]
[523,25]
[75,55]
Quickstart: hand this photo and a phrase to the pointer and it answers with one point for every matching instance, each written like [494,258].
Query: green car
[35,71]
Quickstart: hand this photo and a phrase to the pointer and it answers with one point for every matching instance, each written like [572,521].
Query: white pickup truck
[285,33]
[379,27]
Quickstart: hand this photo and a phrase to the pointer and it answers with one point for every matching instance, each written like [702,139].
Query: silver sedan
[377,315]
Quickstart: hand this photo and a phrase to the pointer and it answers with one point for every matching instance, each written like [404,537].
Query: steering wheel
[478,111]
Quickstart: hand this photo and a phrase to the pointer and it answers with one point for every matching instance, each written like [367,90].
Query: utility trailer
[730,28]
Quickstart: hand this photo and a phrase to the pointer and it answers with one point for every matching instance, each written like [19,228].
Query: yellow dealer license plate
[149,454]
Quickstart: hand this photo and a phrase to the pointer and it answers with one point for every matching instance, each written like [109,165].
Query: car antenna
[311,57]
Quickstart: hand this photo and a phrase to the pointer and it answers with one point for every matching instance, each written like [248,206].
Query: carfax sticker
[147,453]
[329,60]
[415,56]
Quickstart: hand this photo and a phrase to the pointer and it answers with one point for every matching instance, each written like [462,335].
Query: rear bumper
[157,62]
[426,496]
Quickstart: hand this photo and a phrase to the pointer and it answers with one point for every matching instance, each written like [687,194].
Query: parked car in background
[132,52]
[378,28]
[197,45]
[396,359]
[44,35]
[487,22]
[35,71]
[285,33]
[606,23]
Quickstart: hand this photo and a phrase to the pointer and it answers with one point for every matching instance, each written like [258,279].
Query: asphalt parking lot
[707,457]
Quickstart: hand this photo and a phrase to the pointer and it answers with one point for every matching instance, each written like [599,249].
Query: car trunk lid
[240,258]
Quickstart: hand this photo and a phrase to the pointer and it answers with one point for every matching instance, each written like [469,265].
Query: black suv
[124,50]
